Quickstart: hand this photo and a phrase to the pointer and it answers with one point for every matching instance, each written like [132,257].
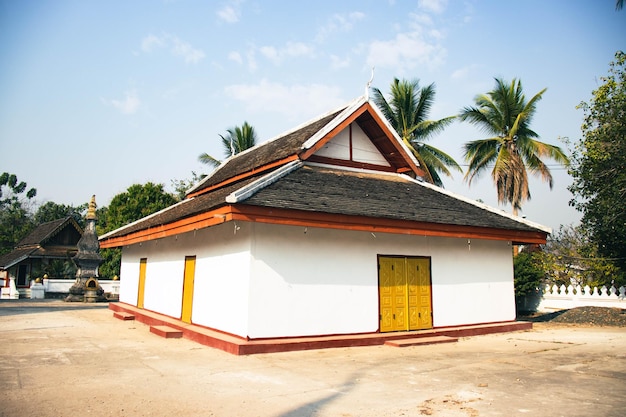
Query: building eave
[249,213]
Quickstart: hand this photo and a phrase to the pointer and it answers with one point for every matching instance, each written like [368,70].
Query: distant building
[51,241]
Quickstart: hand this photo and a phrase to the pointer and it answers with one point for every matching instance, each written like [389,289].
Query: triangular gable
[45,232]
[312,140]
[352,146]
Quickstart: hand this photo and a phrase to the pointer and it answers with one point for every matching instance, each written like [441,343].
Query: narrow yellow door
[386,291]
[188,280]
[142,282]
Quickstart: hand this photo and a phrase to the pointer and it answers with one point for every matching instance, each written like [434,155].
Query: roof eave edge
[119,229]
[483,206]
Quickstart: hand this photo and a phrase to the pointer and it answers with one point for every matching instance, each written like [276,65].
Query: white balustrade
[556,298]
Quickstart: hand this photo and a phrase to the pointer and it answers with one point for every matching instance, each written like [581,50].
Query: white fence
[559,298]
[63,285]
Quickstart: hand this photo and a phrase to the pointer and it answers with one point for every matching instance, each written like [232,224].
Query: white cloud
[151,42]
[128,105]
[292,101]
[338,63]
[405,52]
[251,57]
[235,56]
[175,45]
[231,12]
[185,50]
[434,6]
[338,23]
[290,50]
[418,47]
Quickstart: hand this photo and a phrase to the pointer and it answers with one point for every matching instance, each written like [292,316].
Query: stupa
[87,260]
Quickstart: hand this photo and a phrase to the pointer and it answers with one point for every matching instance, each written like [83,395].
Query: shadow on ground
[19,307]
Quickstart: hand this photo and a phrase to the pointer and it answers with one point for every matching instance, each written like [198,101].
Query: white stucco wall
[220,282]
[326,281]
[265,280]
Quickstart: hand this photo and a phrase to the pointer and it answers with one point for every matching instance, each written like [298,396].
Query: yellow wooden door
[419,289]
[404,290]
[400,299]
[386,293]
[142,282]
[188,281]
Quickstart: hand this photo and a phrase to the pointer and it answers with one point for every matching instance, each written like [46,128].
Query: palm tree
[237,140]
[407,111]
[512,149]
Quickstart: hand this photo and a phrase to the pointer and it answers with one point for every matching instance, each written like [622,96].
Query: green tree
[527,274]
[407,111]
[237,140]
[512,148]
[181,186]
[599,166]
[15,215]
[52,211]
[568,257]
[136,202]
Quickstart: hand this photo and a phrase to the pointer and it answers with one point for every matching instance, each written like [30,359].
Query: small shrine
[87,260]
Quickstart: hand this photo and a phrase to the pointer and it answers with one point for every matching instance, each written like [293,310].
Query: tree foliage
[407,110]
[237,139]
[599,166]
[512,148]
[15,218]
[528,274]
[52,211]
[181,186]
[136,202]
[568,257]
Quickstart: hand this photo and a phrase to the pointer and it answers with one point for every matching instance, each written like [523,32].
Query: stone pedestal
[37,291]
[14,294]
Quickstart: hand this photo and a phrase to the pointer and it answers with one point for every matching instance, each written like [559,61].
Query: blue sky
[98,95]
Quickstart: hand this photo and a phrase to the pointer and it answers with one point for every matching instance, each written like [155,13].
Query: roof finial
[91,210]
[367,87]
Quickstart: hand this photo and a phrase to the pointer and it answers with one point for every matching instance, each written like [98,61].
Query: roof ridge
[281,135]
[248,190]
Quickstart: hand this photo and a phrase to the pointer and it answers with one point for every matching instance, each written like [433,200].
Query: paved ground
[60,359]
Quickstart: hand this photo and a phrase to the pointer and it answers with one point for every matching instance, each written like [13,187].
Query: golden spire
[91,211]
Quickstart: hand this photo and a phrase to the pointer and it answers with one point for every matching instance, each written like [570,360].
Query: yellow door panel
[188,281]
[142,282]
[386,291]
[424,292]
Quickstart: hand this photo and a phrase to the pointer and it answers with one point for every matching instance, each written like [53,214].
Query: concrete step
[123,315]
[421,341]
[166,332]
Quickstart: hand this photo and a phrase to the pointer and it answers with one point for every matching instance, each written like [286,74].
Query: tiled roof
[31,245]
[337,191]
[9,259]
[182,210]
[297,185]
[43,232]
[265,153]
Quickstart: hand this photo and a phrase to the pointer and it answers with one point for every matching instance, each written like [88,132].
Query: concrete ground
[74,359]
